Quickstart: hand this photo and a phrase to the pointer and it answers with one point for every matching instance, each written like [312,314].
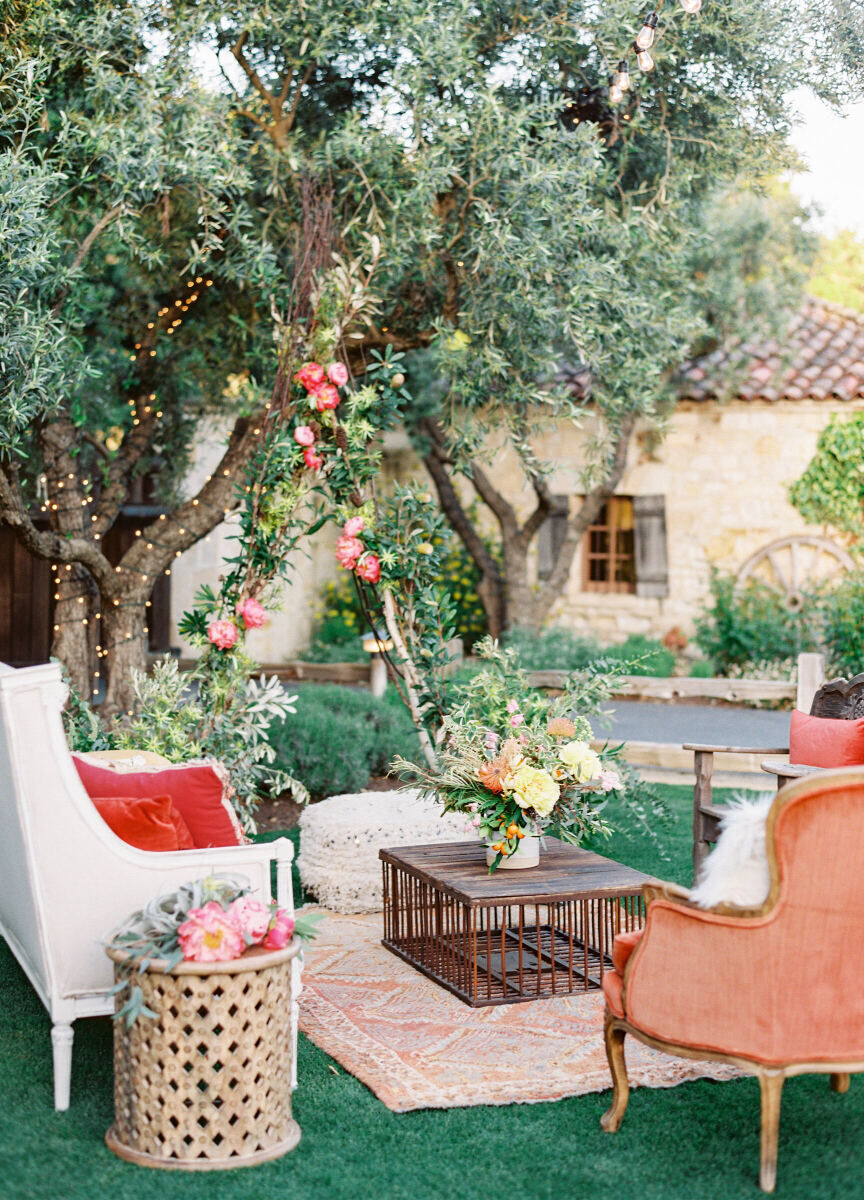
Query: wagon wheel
[795,565]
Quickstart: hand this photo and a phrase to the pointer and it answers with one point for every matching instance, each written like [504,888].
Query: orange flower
[561,727]
[494,775]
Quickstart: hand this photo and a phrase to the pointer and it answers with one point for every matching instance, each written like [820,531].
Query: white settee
[66,881]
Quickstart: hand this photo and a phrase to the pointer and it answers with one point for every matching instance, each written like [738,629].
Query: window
[610,562]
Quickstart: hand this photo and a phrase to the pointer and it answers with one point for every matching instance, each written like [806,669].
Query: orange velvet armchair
[777,990]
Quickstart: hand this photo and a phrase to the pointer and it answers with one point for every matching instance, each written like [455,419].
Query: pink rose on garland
[251,917]
[348,550]
[353,526]
[312,460]
[311,375]
[369,568]
[325,397]
[253,614]
[338,373]
[223,634]
[304,436]
[280,932]
[210,934]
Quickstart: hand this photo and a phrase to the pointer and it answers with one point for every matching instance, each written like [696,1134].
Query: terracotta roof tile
[822,354]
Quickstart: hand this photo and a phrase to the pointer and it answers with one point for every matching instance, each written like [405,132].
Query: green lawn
[696,1141]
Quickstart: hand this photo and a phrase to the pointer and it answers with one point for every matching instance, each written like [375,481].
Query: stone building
[713,492]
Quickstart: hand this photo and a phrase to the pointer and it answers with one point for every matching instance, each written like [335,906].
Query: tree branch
[84,249]
[490,496]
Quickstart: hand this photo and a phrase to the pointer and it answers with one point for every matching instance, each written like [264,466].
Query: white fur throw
[736,870]
[340,839]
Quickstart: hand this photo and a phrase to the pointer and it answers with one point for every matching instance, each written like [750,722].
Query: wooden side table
[512,935]
[786,771]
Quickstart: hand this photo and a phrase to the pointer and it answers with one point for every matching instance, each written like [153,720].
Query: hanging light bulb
[623,76]
[645,61]
[615,93]
[691,6]
[645,36]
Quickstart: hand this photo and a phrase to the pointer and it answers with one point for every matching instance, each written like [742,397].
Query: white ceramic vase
[526,854]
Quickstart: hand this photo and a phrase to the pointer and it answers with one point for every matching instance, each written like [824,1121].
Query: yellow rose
[533,789]
[581,761]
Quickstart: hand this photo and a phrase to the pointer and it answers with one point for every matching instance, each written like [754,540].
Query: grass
[698,1141]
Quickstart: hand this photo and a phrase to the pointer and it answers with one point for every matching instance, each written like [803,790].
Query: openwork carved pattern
[211,1078]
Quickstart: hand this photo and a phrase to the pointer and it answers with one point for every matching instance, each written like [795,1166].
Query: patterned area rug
[417,1046]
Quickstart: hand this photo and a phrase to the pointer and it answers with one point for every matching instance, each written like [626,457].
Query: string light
[645,36]
[691,6]
[622,77]
[645,61]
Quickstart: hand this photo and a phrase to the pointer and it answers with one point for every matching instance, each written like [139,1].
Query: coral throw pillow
[196,790]
[148,822]
[825,742]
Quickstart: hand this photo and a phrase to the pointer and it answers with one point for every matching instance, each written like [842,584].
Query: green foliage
[842,626]
[82,726]
[558,648]
[703,668]
[741,626]
[831,490]
[339,738]
[838,270]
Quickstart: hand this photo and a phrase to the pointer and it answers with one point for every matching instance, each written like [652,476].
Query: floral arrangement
[216,919]
[517,764]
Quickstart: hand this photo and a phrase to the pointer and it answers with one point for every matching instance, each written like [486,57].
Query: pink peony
[609,781]
[253,614]
[251,917]
[369,568]
[338,373]
[304,436]
[353,526]
[223,634]
[281,930]
[348,550]
[312,460]
[325,397]
[210,934]
[311,375]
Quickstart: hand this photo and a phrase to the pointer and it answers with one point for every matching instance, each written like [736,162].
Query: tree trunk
[124,644]
[73,640]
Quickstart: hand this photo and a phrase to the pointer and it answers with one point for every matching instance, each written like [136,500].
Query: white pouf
[340,839]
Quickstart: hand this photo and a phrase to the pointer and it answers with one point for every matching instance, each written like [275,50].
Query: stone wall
[724,469]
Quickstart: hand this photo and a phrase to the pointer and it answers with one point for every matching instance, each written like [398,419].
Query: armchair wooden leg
[617,1065]
[771,1088]
[840,1083]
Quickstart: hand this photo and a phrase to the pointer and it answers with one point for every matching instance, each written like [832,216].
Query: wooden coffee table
[513,935]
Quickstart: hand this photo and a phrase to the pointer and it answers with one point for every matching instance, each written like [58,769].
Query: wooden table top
[787,770]
[565,872]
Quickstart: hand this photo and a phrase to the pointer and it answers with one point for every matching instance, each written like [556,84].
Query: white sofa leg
[61,1043]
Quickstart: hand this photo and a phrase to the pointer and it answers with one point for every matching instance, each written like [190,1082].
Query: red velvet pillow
[195,789]
[148,822]
[825,742]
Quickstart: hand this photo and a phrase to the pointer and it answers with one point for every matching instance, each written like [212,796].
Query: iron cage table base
[504,953]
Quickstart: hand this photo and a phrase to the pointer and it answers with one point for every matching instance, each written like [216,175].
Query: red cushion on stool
[623,947]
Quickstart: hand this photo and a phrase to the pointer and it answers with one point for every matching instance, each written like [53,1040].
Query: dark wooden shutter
[551,536]
[652,565]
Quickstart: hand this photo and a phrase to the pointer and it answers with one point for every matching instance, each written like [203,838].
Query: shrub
[560,649]
[741,626]
[843,626]
[340,737]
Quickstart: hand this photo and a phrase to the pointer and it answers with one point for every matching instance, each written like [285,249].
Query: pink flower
[476,821]
[312,460]
[609,781]
[353,526]
[512,706]
[223,634]
[369,568]
[210,934]
[348,550]
[516,719]
[338,373]
[325,397]
[304,436]
[252,613]
[281,930]
[251,917]
[311,375]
